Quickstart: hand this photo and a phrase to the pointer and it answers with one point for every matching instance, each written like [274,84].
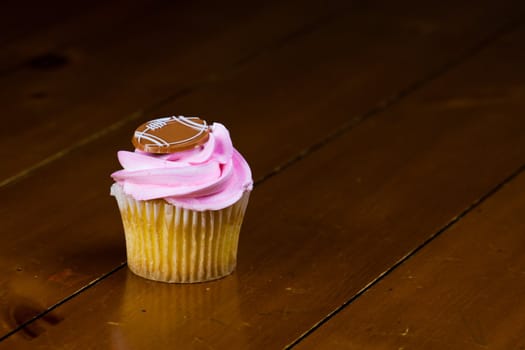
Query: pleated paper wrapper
[173,244]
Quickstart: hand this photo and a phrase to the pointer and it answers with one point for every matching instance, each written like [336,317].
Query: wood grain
[462,291]
[314,235]
[41,264]
[35,29]
[321,74]
[91,84]
[136,70]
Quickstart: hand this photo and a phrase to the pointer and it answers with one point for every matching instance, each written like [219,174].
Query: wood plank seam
[198,85]
[383,105]
[326,140]
[410,254]
[395,98]
[289,37]
[66,299]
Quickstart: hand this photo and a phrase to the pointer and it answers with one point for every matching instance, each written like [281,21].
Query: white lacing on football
[157,123]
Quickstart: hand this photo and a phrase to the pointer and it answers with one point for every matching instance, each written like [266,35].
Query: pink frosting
[210,177]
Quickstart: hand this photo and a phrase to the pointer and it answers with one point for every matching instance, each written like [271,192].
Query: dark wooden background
[386,138]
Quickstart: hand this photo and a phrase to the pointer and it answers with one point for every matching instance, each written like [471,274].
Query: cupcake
[182,195]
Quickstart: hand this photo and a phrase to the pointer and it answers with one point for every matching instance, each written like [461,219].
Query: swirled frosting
[209,177]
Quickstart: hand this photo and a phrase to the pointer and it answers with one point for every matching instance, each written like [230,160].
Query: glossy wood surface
[93,86]
[465,290]
[152,52]
[369,127]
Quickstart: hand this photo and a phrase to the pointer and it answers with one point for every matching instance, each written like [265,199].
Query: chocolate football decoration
[171,134]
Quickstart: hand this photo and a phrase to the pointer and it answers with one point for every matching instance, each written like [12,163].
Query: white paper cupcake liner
[172,244]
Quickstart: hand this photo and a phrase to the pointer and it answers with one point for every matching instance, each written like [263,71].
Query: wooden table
[387,141]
